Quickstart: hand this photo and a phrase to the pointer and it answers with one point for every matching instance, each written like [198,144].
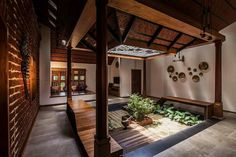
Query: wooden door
[136,81]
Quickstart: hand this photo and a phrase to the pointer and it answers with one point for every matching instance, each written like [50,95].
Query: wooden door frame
[4,91]
[140,80]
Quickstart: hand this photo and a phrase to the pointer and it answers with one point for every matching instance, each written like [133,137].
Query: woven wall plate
[182,76]
[196,78]
[175,78]
[203,66]
[170,69]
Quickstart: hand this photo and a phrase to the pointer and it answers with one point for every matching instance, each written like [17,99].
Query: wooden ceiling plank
[187,45]
[155,35]
[164,15]
[128,28]
[143,44]
[86,20]
[175,40]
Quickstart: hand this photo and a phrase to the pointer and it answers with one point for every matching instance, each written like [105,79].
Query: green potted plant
[140,107]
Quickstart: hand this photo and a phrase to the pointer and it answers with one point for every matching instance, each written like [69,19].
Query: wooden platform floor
[137,136]
[85,119]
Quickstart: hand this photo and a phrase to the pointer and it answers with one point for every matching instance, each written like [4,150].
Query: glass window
[76,78]
[63,78]
[82,78]
[55,77]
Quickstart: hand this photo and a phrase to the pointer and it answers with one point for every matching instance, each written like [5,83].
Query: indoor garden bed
[144,122]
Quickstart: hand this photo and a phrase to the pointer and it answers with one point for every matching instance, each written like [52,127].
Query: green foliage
[183,117]
[140,107]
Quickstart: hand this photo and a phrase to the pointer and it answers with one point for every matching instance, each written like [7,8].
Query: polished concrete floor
[52,136]
[218,140]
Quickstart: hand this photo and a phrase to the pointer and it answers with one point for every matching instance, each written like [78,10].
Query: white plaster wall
[155,79]
[202,90]
[113,71]
[90,72]
[44,72]
[229,68]
[161,85]
[126,65]
[205,89]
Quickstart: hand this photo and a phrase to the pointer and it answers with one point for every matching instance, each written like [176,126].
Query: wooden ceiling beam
[128,28]
[157,32]
[86,20]
[175,40]
[143,44]
[125,56]
[158,55]
[117,26]
[157,12]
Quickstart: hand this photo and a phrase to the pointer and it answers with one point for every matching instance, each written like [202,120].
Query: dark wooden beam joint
[102,141]
[174,41]
[114,35]
[155,35]
[218,105]
[88,45]
[128,28]
[69,61]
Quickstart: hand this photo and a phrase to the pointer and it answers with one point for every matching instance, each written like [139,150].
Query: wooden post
[4,92]
[102,139]
[69,96]
[218,105]
[144,79]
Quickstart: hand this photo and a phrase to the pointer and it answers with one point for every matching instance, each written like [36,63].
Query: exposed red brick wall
[21,19]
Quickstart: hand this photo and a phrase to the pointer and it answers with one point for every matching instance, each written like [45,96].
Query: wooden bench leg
[206,112]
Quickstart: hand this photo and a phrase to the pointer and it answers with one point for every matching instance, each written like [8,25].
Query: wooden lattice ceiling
[128,29]
[123,27]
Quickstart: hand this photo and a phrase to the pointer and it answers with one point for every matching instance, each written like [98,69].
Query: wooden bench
[208,107]
[83,119]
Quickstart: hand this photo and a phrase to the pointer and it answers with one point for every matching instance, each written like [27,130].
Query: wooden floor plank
[85,118]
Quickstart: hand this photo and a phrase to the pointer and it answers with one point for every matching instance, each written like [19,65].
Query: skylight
[133,51]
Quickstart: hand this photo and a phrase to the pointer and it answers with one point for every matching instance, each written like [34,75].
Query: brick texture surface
[21,19]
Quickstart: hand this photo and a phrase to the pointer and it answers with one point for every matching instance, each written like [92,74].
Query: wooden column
[144,79]
[4,92]
[218,105]
[69,96]
[102,139]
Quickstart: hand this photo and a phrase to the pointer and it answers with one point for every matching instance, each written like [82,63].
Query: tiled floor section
[218,140]
[52,135]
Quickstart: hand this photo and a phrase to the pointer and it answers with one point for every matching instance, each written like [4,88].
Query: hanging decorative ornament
[206,19]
